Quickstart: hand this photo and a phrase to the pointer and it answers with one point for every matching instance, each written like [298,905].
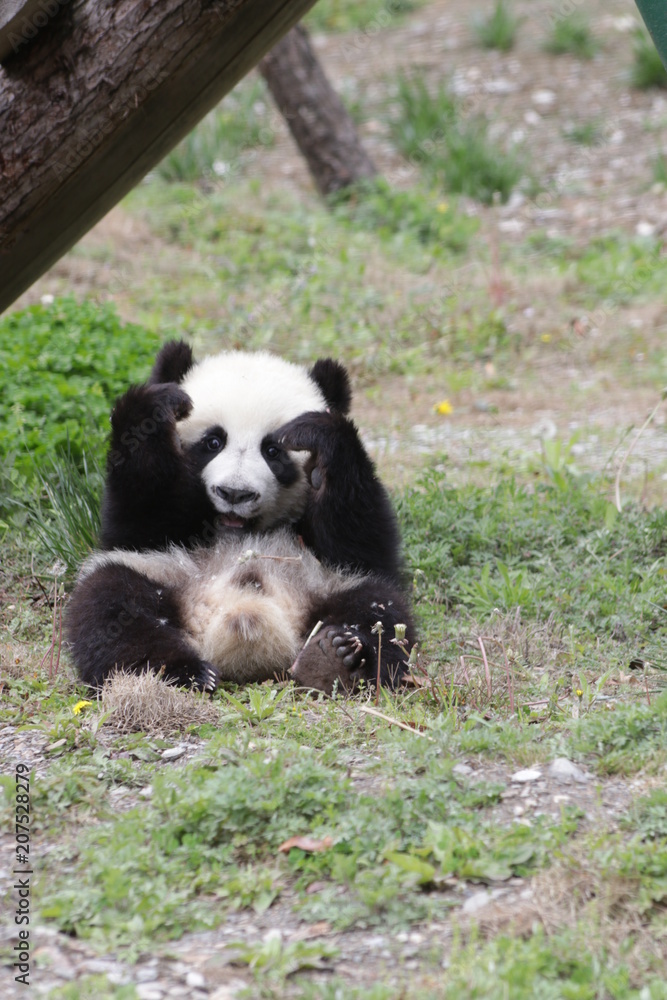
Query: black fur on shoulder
[173,363]
[349,521]
[333,380]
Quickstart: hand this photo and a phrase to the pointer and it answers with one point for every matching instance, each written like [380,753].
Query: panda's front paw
[333,655]
[307,432]
[145,410]
[170,401]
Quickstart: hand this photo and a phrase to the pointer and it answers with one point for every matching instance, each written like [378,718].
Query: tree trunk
[96,92]
[317,118]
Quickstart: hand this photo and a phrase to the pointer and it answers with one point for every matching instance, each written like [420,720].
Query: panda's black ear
[172,363]
[333,380]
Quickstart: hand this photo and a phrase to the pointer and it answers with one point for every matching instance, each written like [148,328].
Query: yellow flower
[545,338]
[579,693]
[80,705]
[442,207]
[444,408]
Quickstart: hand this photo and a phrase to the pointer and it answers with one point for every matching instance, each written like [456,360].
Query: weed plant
[647,68]
[585,133]
[455,152]
[659,169]
[572,36]
[498,29]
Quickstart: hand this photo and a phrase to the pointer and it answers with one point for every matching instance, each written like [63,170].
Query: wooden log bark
[91,101]
[315,114]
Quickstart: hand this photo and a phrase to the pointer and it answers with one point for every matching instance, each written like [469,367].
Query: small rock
[565,771]
[148,991]
[477,901]
[102,965]
[543,98]
[230,990]
[195,980]
[146,974]
[463,770]
[174,752]
[528,774]
[500,86]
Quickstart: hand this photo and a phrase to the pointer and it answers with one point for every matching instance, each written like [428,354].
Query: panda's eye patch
[279,461]
[214,440]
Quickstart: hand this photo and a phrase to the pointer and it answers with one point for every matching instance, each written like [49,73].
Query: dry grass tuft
[13,663]
[501,663]
[147,703]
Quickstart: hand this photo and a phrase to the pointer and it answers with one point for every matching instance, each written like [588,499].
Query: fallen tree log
[94,93]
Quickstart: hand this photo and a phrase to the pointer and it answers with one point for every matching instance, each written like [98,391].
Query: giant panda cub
[245,534]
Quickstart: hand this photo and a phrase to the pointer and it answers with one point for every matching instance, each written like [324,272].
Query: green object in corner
[654,13]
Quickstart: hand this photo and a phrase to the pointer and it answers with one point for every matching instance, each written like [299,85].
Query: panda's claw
[207,679]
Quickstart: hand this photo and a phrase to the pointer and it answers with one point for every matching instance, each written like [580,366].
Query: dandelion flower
[79,707]
[444,408]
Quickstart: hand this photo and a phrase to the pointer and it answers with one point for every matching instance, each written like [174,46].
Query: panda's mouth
[233,521]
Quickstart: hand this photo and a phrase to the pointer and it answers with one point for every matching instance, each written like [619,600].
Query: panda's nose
[235,497]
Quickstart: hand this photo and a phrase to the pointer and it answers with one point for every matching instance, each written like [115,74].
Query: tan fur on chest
[245,601]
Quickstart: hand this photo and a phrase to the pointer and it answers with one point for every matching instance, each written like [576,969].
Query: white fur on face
[249,395]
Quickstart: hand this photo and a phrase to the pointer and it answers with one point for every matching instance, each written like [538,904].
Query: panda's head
[240,400]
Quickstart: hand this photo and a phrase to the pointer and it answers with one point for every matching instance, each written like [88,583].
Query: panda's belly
[248,606]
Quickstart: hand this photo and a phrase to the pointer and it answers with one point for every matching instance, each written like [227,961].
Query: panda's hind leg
[119,619]
[347,649]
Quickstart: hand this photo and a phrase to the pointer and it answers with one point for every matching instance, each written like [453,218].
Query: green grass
[217,834]
[623,742]
[453,151]
[389,213]
[585,133]
[647,70]
[659,169]
[571,35]
[550,967]
[613,270]
[398,826]
[551,550]
[498,29]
